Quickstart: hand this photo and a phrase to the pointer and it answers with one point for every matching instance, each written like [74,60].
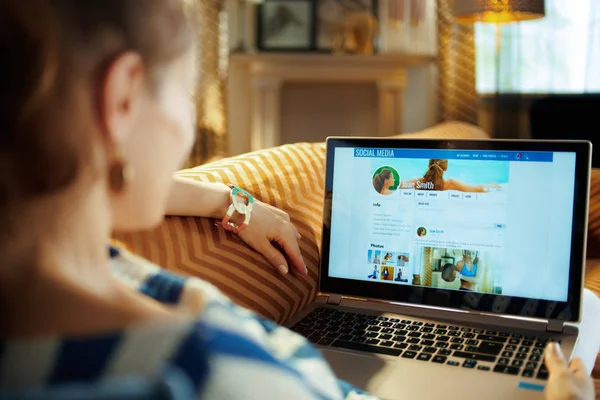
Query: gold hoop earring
[119,175]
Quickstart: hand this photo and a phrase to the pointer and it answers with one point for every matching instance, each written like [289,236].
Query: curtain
[210,21]
[457,99]
[559,53]
[593,50]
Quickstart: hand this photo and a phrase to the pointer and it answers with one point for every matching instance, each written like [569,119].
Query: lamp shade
[497,11]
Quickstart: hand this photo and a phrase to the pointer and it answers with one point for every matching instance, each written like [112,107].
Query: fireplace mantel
[255,82]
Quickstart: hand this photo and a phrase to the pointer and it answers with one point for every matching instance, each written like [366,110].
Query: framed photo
[286,25]
[336,18]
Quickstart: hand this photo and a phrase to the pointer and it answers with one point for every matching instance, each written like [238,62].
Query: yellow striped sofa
[289,177]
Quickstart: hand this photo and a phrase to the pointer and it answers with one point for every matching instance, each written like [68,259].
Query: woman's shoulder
[194,349]
[224,343]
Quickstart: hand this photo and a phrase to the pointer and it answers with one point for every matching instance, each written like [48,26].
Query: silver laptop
[447,266]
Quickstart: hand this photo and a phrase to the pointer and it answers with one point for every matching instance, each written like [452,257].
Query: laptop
[448,265]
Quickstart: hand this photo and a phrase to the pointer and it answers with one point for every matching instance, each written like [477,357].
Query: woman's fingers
[286,238]
[288,241]
[555,360]
[576,366]
[566,381]
[273,235]
[274,257]
[277,258]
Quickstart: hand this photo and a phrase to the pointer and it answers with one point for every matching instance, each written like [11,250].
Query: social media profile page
[485,221]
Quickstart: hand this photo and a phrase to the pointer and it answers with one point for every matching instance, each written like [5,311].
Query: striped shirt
[227,352]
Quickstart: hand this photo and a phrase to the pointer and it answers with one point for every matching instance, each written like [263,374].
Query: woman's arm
[452,184]
[198,199]
[474,279]
[268,224]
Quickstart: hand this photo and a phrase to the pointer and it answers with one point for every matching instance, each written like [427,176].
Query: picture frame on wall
[346,25]
[286,25]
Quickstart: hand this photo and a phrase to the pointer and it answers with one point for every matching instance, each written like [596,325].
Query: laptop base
[414,365]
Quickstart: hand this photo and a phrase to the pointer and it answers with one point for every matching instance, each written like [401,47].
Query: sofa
[289,177]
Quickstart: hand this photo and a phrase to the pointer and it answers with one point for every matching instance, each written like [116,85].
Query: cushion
[289,177]
[592,282]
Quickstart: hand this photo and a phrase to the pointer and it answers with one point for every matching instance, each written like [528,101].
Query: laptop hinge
[334,299]
[555,326]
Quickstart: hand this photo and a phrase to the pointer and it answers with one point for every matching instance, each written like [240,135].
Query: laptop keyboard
[452,345]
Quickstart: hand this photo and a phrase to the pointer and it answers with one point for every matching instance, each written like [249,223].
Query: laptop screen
[497,222]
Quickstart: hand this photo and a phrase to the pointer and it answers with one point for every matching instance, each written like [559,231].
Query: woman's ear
[120,93]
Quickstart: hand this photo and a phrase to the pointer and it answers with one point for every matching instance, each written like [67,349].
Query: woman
[433,179]
[91,91]
[467,270]
[401,261]
[374,274]
[467,267]
[385,274]
[376,258]
[383,181]
[399,276]
[387,258]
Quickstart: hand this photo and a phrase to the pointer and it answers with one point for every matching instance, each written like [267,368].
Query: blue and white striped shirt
[227,352]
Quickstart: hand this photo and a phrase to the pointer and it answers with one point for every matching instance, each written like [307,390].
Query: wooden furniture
[256,84]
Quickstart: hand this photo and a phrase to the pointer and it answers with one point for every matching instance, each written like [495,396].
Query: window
[559,53]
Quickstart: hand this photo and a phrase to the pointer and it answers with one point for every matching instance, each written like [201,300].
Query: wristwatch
[241,202]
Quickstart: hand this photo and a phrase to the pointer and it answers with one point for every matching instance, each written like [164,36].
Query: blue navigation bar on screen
[481,155]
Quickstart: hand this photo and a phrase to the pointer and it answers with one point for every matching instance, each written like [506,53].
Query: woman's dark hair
[54,55]
[380,178]
[435,173]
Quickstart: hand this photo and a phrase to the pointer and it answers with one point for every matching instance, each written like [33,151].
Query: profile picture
[376,257]
[401,276]
[374,274]
[421,231]
[402,259]
[388,258]
[386,180]
[387,273]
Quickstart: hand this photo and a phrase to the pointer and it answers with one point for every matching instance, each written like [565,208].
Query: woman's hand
[566,381]
[271,233]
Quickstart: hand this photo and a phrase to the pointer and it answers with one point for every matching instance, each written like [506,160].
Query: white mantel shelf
[255,82]
[333,59]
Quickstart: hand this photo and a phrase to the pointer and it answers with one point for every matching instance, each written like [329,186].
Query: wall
[312,111]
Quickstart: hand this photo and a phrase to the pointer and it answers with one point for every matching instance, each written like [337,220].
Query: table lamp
[497,11]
